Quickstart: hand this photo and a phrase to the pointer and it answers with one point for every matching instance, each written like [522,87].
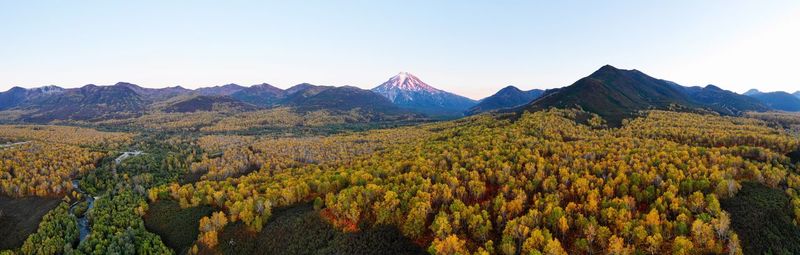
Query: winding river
[83,221]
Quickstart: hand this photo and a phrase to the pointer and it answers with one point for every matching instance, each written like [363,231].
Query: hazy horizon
[471,49]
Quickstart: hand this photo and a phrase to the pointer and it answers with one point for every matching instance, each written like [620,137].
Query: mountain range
[612,93]
[224,90]
[123,100]
[157,94]
[777,100]
[90,102]
[723,101]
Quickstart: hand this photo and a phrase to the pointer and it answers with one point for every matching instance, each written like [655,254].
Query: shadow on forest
[177,227]
[20,217]
[762,218]
[794,156]
[301,230]
[191,177]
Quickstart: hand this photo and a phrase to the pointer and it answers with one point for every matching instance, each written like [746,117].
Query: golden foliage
[42,169]
[215,143]
[276,154]
[538,184]
[787,120]
[282,117]
[64,134]
[190,121]
[710,131]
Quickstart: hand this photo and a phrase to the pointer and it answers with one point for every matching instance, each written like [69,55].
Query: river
[83,221]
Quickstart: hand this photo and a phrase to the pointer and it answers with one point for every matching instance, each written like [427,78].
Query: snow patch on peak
[400,78]
[50,89]
[407,82]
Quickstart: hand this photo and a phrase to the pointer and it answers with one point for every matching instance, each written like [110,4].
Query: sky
[472,48]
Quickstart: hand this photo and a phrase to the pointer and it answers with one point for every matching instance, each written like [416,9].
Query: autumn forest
[546,182]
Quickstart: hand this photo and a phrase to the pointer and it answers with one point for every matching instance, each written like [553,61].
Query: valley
[618,162]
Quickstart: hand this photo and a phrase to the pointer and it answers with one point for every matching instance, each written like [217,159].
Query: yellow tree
[451,245]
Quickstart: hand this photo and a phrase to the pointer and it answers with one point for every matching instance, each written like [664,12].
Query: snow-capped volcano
[408,91]
[406,81]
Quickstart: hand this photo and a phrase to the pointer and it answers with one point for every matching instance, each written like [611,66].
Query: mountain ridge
[614,94]
[262,94]
[751,92]
[723,101]
[507,97]
[89,102]
[779,100]
[121,100]
[220,90]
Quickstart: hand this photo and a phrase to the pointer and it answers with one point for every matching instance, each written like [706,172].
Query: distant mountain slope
[615,94]
[507,97]
[210,103]
[407,91]
[344,99]
[779,100]
[90,102]
[13,97]
[158,94]
[797,94]
[300,91]
[751,92]
[122,100]
[306,88]
[723,101]
[261,94]
[17,96]
[224,90]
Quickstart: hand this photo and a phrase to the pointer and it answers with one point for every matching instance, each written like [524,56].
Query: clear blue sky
[468,47]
